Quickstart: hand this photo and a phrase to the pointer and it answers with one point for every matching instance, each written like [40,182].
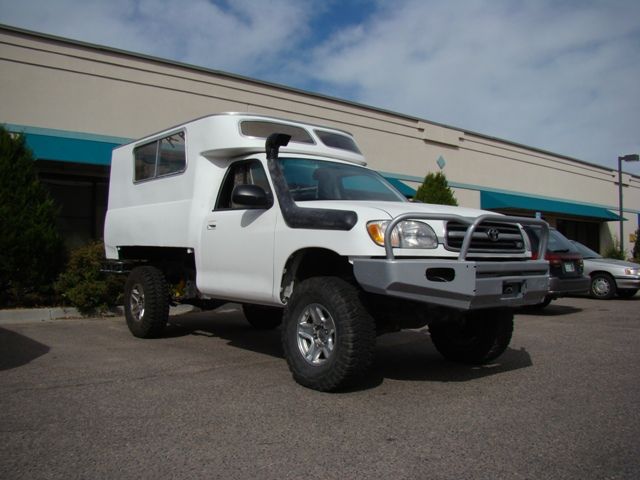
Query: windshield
[585,251]
[310,179]
[558,243]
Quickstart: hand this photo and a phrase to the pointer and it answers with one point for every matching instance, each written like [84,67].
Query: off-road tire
[540,306]
[327,310]
[603,286]
[474,337]
[146,302]
[261,317]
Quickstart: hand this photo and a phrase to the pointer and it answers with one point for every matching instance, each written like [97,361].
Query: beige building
[75,102]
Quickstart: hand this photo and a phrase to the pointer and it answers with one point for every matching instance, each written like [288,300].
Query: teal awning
[65,146]
[48,147]
[506,201]
[402,187]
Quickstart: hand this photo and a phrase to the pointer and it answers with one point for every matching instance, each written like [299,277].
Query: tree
[615,251]
[435,189]
[32,249]
[636,247]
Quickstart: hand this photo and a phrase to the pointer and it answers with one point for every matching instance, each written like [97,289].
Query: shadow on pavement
[17,350]
[549,311]
[228,324]
[410,356]
[407,355]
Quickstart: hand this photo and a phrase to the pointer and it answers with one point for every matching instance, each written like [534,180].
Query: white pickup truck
[284,218]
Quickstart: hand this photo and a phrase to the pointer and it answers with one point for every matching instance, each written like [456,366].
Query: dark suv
[566,267]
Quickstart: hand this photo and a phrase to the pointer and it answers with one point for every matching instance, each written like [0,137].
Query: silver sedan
[609,277]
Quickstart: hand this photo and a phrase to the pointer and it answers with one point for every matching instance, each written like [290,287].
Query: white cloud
[555,75]
[243,37]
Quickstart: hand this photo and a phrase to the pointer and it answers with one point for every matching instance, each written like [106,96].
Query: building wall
[77,89]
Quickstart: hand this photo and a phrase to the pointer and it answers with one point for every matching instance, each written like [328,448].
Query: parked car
[566,266]
[609,277]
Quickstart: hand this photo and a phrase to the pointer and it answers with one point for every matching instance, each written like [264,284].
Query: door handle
[211,225]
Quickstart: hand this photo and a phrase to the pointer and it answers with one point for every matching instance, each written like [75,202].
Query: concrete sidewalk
[35,315]
[31,315]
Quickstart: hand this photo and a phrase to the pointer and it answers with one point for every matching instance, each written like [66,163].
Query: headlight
[631,271]
[407,234]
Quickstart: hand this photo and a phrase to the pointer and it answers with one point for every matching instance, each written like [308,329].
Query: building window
[166,156]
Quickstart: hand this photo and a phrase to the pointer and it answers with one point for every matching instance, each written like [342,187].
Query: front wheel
[474,337]
[543,304]
[327,336]
[146,302]
[603,286]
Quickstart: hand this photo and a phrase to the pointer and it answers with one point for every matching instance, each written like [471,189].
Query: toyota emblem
[493,234]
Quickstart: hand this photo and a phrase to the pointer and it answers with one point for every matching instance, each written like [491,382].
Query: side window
[165,156]
[145,161]
[249,172]
[171,155]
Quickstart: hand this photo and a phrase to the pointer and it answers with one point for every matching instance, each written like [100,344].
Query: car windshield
[585,251]
[558,243]
[310,179]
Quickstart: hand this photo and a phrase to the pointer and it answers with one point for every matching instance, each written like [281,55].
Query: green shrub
[84,286]
[636,247]
[614,251]
[32,249]
[435,189]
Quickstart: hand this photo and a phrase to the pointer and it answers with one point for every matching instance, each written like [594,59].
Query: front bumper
[464,285]
[631,282]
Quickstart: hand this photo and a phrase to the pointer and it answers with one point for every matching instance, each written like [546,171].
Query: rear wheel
[474,337]
[146,302]
[603,286]
[328,337]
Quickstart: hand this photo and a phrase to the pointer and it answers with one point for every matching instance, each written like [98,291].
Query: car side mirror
[251,196]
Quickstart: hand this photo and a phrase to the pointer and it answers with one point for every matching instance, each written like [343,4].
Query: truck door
[236,258]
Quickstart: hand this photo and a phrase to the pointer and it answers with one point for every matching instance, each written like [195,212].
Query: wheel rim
[136,302]
[316,332]
[601,287]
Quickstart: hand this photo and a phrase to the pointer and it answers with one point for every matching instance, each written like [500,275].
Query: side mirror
[251,196]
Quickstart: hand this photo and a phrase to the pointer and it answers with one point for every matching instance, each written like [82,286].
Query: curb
[30,315]
[36,315]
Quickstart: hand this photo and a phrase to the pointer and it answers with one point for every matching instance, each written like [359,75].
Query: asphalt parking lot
[214,399]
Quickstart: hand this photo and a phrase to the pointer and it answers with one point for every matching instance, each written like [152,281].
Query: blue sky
[557,75]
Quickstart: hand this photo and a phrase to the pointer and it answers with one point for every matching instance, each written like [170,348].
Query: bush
[83,284]
[614,251]
[435,189]
[636,247]
[32,249]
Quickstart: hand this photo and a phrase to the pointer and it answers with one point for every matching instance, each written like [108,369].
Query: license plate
[569,267]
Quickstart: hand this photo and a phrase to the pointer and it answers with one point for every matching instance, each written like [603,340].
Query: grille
[488,237]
